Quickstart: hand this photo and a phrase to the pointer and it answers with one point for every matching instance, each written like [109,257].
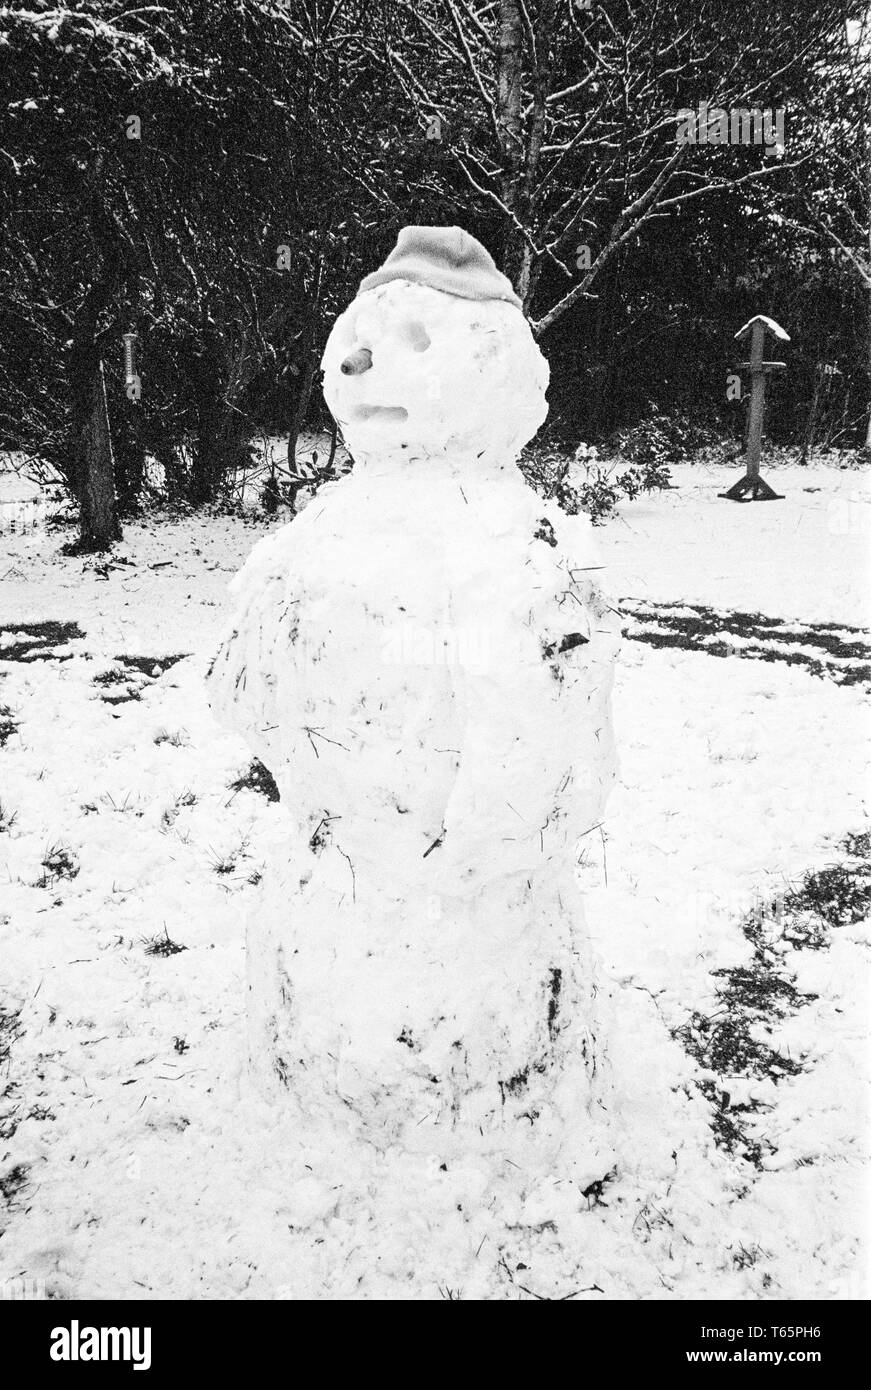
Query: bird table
[752,488]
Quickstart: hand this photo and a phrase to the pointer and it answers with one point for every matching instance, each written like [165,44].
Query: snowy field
[135,1163]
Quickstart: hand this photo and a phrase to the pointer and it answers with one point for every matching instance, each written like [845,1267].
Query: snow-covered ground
[134,1161]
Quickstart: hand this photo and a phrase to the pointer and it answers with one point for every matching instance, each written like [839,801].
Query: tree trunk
[866,139]
[222,372]
[520,144]
[810,427]
[603,353]
[129,450]
[334,436]
[175,472]
[868,434]
[210,446]
[93,465]
[300,410]
[309,366]
[509,125]
[204,464]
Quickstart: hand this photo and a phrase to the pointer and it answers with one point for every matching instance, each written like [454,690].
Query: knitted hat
[448,259]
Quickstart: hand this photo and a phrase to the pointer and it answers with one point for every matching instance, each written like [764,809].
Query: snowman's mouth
[387,413]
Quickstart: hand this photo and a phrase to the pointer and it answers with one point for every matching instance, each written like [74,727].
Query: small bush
[7,724]
[586,483]
[858,844]
[163,946]
[111,677]
[659,440]
[10,1030]
[170,815]
[179,738]
[58,862]
[12,1182]
[839,895]
[257,778]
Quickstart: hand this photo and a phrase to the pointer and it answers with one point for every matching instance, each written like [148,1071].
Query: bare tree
[68,249]
[563,117]
[830,197]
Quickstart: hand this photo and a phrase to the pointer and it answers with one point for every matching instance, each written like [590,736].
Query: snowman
[423,661]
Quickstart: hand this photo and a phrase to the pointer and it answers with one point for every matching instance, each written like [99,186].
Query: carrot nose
[357,363]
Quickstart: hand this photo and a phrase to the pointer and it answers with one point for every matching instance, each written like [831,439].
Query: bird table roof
[770,324]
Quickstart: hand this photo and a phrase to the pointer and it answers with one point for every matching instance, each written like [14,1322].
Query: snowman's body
[423,662]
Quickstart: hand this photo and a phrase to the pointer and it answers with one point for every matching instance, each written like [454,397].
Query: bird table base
[750,489]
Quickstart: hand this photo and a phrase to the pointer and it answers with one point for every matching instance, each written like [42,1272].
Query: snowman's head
[414,371]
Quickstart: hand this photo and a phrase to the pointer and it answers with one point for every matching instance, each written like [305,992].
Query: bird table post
[752,488]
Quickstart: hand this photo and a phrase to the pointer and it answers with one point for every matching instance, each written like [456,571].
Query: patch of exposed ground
[729,1043]
[830,650]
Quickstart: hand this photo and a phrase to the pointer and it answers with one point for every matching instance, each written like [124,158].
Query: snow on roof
[775,328]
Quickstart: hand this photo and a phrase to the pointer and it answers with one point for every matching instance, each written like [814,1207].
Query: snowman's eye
[357,362]
[415,335]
